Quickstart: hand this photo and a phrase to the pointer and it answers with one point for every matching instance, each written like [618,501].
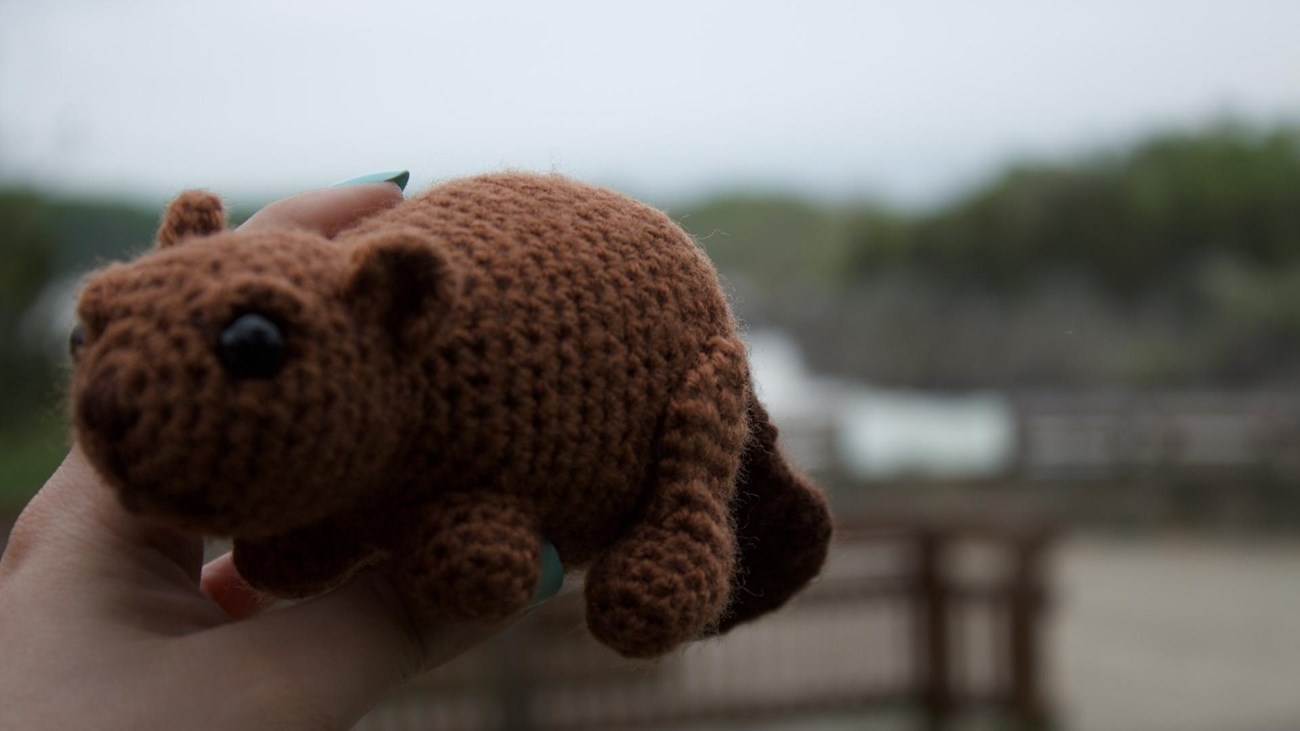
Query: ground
[1161,634]
[1177,633]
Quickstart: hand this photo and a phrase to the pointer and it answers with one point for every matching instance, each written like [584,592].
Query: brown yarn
[498,360]
[192,213]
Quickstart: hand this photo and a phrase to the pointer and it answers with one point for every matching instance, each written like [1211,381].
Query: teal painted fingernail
[397,177]
[548,585]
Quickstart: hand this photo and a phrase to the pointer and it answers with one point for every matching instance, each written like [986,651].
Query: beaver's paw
[473,562]
[645,602]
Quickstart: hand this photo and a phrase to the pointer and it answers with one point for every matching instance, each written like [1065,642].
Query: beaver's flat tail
[783,526]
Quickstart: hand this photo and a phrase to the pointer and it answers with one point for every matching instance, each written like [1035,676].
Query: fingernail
[548,584]
[396,177]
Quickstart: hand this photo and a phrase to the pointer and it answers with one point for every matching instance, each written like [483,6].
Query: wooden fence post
[930,626]
[1025,605]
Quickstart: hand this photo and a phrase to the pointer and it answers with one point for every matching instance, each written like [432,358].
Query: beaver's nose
[103,410]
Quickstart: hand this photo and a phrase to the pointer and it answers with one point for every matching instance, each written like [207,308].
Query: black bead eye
[76,339]
[251,347]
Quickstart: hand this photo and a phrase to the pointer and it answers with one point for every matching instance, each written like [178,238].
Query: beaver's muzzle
[104,411]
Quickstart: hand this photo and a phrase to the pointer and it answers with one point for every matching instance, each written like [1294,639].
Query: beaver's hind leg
[666,581]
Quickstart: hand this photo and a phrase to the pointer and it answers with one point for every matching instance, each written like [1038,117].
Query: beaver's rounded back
[577,312]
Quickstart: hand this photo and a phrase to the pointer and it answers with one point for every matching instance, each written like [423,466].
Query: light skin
[110,622]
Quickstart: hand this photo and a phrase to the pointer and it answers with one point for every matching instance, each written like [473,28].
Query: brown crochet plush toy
[496,362]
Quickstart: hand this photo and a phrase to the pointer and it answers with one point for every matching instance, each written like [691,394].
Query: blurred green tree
[1118,249]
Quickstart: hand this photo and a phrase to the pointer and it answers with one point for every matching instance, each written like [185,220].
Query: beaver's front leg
[302,562]
[469,555]
[668,579]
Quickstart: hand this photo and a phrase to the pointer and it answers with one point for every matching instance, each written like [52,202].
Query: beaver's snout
[104,411]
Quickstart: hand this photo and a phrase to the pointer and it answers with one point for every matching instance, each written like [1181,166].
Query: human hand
[110,622]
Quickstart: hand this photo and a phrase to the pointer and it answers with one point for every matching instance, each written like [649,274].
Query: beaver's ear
[402,281]
[192,213]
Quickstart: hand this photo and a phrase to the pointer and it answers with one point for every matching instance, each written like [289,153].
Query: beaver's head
[247,382]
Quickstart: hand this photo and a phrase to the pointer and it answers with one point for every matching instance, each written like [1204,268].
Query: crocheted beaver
[498,361]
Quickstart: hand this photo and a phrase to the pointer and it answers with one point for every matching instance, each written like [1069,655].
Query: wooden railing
[1203,435]
[1067,436]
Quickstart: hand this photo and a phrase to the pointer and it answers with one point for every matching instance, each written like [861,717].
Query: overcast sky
[910,100]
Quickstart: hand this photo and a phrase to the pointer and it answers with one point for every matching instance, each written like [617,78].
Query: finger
[76,520]
[328,210]
[223,584]
[337,655]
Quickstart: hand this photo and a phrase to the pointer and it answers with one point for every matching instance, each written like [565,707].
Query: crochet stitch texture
[498,360]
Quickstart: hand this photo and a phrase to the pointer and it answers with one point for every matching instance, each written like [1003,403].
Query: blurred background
[1021,284]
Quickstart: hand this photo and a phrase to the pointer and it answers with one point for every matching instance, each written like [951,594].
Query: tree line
[1172,262]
